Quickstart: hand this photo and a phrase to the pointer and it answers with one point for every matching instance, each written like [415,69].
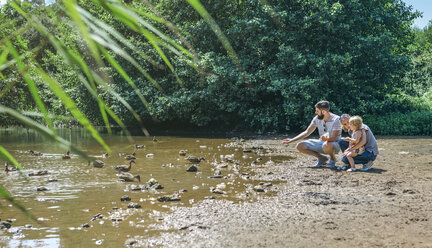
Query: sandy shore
[388,206]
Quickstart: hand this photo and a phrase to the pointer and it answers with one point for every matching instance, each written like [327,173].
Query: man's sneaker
[352,170]
[367,166]
[331,164]
[321,161]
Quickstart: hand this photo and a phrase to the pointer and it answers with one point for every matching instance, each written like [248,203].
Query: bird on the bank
[67,156]
[128,177]
[130,157]
[182,152]
[154,139]
[105,155]
[124,168]
[97,163]
[139,147]
[7,169]
[34,153]
[194,159]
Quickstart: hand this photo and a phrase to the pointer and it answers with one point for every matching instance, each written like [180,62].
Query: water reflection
[82,205]
[50,242]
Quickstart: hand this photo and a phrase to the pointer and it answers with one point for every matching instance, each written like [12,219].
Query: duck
[128,177]
[34,153]
[139,147]
[124,168]
[39,173]
[105,155]
[194,159]
[7,169]
[67,156]
[97,163]
[182,152]
[154,139]
[130,157]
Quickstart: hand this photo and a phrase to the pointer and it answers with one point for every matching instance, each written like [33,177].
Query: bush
[396,123]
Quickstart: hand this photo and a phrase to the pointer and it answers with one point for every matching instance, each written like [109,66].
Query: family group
[360,148]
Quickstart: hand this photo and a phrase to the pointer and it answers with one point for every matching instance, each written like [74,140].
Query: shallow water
[82,191]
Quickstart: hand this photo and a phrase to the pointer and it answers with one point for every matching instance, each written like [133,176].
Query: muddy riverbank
[388,206]
[246,193]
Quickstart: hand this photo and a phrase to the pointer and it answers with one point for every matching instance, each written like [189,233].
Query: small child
[355,124]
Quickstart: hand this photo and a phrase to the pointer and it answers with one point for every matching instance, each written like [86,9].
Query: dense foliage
[362,56]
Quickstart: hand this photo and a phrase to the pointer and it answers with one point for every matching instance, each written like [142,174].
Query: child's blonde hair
[356,121]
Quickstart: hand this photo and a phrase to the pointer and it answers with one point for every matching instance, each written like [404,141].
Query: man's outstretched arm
[301,136]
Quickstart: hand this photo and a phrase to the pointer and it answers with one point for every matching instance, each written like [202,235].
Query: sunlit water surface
[82,191]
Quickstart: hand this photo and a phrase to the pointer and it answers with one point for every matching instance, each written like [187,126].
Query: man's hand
[287,141]
[346,139]
[324,138]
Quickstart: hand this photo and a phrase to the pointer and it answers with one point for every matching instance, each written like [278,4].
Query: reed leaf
[3,58]
[31,84]
[110,30]
[106,41]
[110,90]
[7,88]
[127,18]
[196,4]
[72,107]
[46,132]
[70,57]
[9,158]
[101,103]
[133,14]
[71,7]
[6,195]
[126,77]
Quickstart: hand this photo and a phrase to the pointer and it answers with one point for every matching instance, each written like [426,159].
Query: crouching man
[329,129]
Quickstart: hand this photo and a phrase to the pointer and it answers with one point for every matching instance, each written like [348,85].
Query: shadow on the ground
[371,170]
[375,170]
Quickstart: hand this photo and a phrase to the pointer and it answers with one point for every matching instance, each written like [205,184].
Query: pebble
[153,184]
[130,242]
[192,168]
[217,191]
[5,225]
[134,205]
[42,188]
[173,197]
[125,198]
[134,187]
[52,179]
[258,188]
[97,216]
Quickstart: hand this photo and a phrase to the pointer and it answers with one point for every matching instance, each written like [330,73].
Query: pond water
[82,194]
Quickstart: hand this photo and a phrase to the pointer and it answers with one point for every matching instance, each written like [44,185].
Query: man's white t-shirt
[333,124]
